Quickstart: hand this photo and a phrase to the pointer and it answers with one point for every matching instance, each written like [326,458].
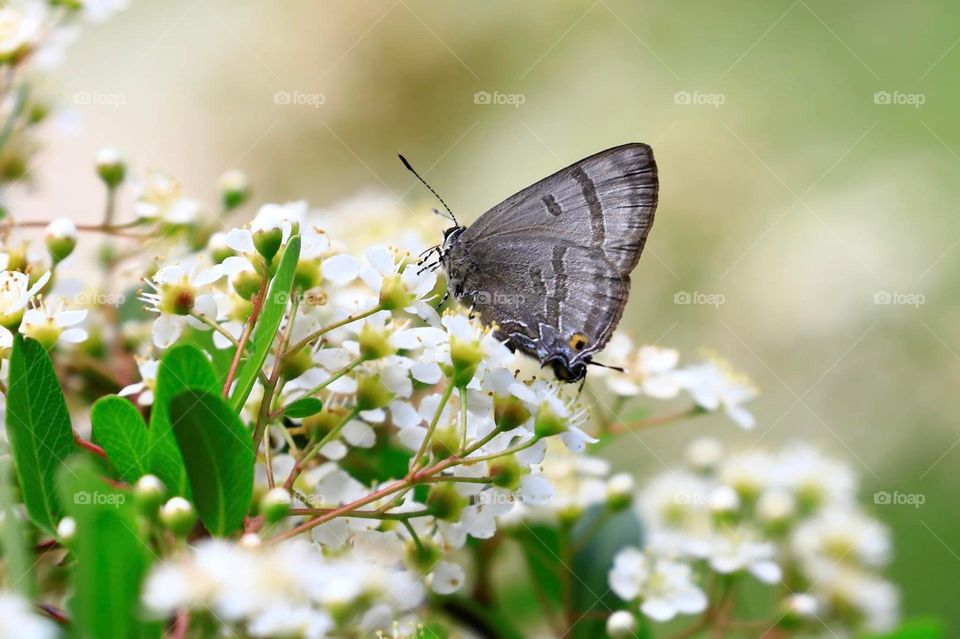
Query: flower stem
[447,392]
[312,452]
[330,327]
[319,387]
[247,329]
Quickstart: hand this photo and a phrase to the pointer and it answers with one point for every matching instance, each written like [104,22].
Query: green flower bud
[268,241]
[149,493]
[61,238]
[275,505]
[445,502]
[445,442]
[422,557]
[247,284]
[320,424]
[217,245]
[374,343]
[465,355]
[297,364]
[178,516]
[307,274]
[371,393]
[110,167]
[394,294]
[620,489]
[547,423]
[234,189]
[17,259]
[509,412]
[506,472]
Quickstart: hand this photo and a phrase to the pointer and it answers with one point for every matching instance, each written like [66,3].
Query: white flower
[840,535]
[649,370]
[733,550]
[160,197]
[17,619]
[447,578]
[664,588]
[713,385]
[48,325]
[15,294]
[21,29]
[148,373]
[860,599]
[176,295]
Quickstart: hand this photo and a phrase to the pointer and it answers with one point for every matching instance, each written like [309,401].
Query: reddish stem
[254,314]
[93,448]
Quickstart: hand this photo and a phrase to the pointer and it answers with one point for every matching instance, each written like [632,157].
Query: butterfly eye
[578,341]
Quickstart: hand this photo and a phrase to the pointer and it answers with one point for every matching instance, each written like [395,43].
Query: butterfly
[549,267]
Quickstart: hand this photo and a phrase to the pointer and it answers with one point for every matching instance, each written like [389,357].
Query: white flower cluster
[285,590]
[655,372]
[790,519]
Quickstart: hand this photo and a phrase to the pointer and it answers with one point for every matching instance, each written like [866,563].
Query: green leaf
[591,565]
[38,427]
[119,428]
[268,323]
[112,558]
[218,452]
[182,368]
[541,549]
[914,629]
[303,407]
[18,561]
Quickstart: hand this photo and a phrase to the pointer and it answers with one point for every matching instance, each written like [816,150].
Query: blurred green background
[808,150]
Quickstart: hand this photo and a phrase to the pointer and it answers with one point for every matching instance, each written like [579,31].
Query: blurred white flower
[664,588]
[21,28]
[17,619]
[714,385]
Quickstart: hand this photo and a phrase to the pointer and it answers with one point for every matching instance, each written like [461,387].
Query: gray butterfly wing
[550,266]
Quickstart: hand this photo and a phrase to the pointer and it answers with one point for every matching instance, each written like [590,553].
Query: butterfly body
[550,266]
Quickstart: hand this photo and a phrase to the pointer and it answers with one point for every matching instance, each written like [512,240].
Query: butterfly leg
[443,300]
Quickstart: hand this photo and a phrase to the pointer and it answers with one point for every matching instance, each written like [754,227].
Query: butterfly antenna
[613,368]
[453,217]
